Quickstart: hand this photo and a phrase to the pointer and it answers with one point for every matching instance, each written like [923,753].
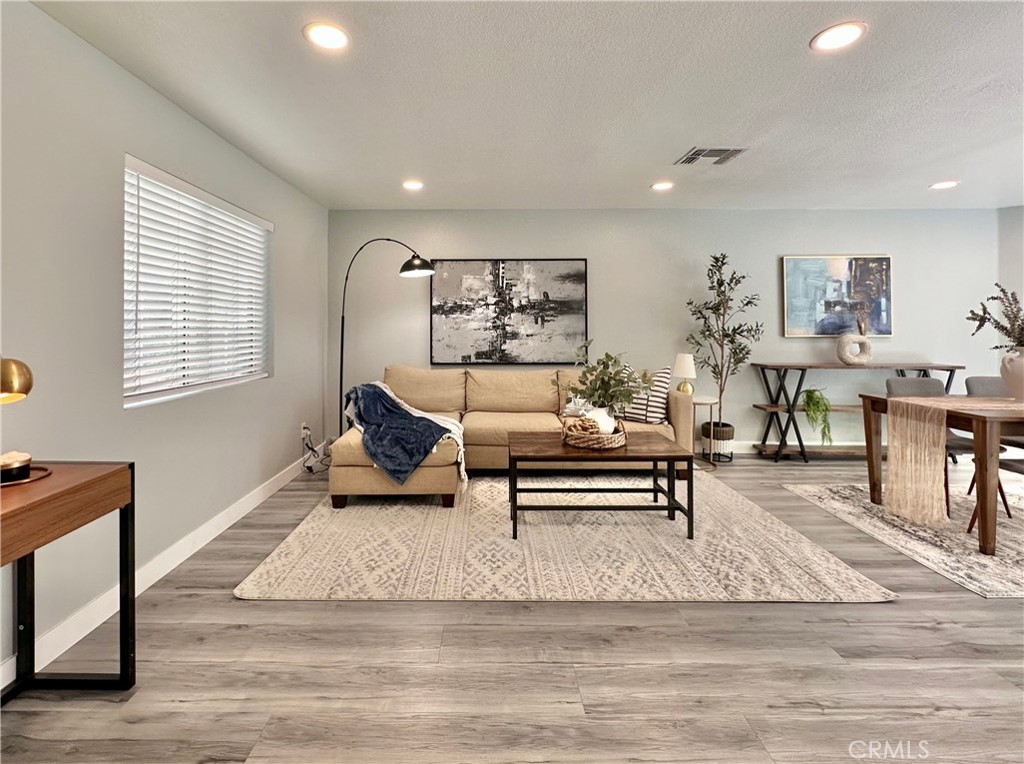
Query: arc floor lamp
[414,267]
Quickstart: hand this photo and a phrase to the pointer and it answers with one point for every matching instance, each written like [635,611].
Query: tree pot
[719,448]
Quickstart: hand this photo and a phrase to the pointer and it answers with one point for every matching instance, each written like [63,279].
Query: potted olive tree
[722,343]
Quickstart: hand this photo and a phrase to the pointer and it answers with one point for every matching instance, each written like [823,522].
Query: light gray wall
[644,264]
[1011,248]
[69,115]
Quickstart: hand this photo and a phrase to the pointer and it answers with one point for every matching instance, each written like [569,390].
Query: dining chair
[993,387]
[987,387]
[927,387]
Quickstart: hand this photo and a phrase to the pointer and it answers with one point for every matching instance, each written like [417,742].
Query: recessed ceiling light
[412,185]
[663,185]
[839,36]
[943,185]
[326,35]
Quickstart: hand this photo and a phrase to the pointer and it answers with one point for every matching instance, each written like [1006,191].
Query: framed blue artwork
[825,295]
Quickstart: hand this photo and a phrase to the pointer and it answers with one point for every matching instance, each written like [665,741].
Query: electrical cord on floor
[313,453]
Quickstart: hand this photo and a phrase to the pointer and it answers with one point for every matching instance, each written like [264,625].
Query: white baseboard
[61,637]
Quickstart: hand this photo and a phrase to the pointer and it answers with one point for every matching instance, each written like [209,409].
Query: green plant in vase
[818,409]
[608,385]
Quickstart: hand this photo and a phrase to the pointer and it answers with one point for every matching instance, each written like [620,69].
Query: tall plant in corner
[721,343]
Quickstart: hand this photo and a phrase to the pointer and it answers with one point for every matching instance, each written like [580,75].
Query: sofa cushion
[491,428]
[652,408]
[347,451]
[511,391]
[428,389]
[662,429]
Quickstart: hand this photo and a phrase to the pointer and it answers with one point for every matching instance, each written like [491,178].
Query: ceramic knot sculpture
[845,349]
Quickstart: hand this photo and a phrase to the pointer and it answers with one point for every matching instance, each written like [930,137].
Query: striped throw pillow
[653,407]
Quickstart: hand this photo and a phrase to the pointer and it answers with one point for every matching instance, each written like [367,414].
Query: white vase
[605,421]
[1011,368]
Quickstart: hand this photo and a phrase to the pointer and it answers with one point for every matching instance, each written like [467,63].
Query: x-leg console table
[650,447]
[784,397]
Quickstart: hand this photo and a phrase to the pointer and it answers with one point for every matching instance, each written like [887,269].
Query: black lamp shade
[416,267]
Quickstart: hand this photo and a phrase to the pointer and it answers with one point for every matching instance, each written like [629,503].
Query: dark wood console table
[34,514]
[782,402]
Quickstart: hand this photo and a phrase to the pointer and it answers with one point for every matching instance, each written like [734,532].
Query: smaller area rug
[948,550]
[404,549]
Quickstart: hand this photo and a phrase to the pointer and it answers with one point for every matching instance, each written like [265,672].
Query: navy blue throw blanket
[394,439]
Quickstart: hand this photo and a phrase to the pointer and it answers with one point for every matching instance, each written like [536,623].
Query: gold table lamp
[686,370]
[15,384]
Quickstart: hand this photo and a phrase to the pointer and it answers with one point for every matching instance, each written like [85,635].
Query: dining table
[987,423]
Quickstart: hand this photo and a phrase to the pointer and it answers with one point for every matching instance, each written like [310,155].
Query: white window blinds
[195,288]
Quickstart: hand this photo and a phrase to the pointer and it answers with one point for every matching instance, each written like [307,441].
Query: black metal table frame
[672,503]
[26,677]
[781,392]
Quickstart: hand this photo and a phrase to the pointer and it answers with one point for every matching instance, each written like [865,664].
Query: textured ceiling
[584,105]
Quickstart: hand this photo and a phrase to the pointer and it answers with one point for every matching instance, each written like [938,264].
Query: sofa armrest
[680,416]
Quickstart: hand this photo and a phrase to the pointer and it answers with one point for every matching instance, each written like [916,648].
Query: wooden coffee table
[534,447]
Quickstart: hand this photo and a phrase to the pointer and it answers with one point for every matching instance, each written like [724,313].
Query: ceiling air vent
[721,156]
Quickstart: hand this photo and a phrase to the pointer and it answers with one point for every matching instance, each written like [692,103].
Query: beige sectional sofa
[490,404]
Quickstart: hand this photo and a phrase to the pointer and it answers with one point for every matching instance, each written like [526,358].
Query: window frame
[144,169]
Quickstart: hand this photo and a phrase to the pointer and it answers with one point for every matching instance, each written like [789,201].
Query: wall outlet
[304,431]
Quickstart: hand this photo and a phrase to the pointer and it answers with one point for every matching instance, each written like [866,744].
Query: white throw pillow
[652,408]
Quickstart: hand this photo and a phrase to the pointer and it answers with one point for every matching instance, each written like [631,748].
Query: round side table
[710,401]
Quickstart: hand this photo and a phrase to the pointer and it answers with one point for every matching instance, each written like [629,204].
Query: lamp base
[685,388]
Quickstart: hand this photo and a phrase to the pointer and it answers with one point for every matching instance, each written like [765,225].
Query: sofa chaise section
[352,473]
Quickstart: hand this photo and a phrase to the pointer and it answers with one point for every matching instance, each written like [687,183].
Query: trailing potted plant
[1011,328]
[818,409]
[607,385]
[722,344]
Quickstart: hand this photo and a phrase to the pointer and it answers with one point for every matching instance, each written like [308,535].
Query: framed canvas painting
[507,311]
[825,295]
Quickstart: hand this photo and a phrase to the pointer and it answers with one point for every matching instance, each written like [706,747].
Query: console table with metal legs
[783,393]
[34,514]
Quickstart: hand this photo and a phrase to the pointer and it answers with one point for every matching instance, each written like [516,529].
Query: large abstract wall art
[507,311]
[826,295]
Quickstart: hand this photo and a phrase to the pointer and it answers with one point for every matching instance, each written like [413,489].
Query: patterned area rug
[408,550]
[948,549]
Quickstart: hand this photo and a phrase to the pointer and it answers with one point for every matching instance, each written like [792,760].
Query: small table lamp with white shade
[686,370]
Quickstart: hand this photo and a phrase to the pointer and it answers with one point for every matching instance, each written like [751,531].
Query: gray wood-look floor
[221,679]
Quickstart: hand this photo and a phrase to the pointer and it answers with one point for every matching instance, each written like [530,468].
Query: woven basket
[584,433]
